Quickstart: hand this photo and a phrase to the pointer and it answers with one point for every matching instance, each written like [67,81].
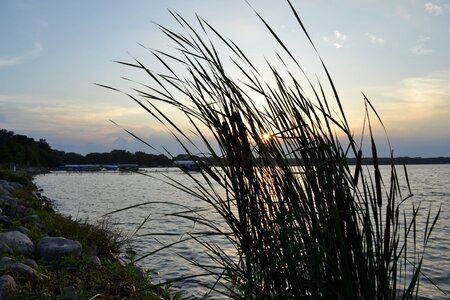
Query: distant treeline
[24,151]
[404,160]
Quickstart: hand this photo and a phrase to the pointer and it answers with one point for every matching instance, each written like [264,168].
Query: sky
[53,52]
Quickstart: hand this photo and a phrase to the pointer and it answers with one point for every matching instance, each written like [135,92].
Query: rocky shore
[44,255]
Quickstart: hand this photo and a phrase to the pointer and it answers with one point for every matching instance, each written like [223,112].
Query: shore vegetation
[106,277]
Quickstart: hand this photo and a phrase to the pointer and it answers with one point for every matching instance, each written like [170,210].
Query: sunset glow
[53,52]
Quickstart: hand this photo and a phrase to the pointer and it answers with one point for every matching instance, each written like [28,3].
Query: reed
[303,223]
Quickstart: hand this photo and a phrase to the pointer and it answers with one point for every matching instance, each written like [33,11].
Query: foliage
[7,174]
[24,151]
[318,230]
[126,157]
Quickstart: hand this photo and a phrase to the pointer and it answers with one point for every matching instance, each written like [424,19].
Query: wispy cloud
[70,126]
[68,121]
[337,40]
[433,9]
[375,39]
[421,48]
[21,59]
[340,36]
[423,102]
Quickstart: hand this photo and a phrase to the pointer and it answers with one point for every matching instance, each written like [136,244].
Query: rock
[70,293]
[94,261]
[10,206]
[123,259]
[23,229]
[140,272]
[7,287]
[5,222]
[4,261]
[54,248]
[18,241]
[20,270]
[15,185]
[31,263]
[23,271]
[5,187]
[8,188]
[4,248]
[6,200]
[41,227]
[30,219]
[20,210]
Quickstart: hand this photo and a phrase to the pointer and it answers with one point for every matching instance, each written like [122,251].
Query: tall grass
[303,223]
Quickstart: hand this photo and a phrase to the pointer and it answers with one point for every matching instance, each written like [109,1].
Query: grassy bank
[105,278]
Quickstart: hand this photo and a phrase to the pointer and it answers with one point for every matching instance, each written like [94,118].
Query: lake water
[91,195]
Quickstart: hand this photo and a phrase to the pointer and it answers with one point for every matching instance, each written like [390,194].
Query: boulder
[94,261]
[70,293]
[54,248]
[4,248]
[5,222]
[4,261]
[140,272]
[10,187]
[23,229]
[10,206]
[18,241]
[15,185]
[7,188]
[6,200]
[7,287]
[23,271]
[31,263]
[30,219]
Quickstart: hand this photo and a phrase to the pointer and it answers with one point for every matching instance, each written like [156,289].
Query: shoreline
[44,254]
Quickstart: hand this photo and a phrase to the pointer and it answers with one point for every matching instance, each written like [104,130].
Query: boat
[110,167]
[81,168]
[128,167]
[187,165]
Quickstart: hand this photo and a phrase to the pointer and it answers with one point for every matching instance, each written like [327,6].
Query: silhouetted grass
[318,230]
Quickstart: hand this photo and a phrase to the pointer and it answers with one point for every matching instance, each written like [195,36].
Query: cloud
[62,116]
[340,36]
[421,47]
[417,106]
[74,126]
[337,40]
[21,59]
[375,39]
[433,9]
